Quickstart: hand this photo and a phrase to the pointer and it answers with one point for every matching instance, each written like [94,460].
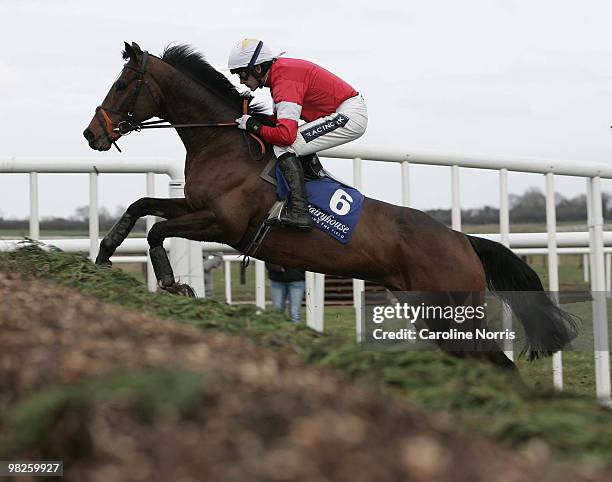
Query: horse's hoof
[104,264]
[180,289]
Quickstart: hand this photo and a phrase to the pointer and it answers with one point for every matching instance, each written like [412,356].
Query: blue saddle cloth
[334,207]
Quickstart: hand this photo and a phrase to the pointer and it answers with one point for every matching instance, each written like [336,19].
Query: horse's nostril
[89,135]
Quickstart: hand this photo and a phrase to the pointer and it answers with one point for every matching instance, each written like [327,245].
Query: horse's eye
[120,85]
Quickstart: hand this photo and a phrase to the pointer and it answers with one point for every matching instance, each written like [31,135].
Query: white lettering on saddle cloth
[328,222]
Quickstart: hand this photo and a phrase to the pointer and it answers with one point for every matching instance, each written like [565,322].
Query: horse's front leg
[146,206]
[196,226]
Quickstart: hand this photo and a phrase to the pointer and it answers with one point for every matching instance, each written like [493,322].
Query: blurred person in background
[287,283]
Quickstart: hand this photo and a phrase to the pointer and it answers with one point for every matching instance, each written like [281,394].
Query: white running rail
[187,261]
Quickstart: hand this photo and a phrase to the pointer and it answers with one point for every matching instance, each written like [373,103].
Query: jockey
[334,113]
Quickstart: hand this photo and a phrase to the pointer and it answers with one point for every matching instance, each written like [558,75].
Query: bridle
[127,124]
[126,111]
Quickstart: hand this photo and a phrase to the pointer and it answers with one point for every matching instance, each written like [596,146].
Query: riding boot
[295,214]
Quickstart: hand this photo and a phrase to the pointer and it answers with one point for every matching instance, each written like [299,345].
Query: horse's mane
[186,59]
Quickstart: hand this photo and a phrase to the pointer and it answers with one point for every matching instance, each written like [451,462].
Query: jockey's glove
[248,123]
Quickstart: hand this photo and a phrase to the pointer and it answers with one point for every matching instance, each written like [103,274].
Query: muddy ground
[240,412]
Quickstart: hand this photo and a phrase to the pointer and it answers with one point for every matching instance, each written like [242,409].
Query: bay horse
[226,201]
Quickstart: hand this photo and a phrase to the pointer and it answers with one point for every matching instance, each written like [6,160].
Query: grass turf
[478,397]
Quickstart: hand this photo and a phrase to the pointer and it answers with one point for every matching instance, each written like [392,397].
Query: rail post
[359,285]
[185,255]
[553,268]
[456,199]
[315,299]
[151,280]
[260,284]
[94,221]
[600,315]
[34,214]
[228,281]
[504,233]
[405,183]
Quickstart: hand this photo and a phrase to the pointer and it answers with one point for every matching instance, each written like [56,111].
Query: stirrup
[290,225]
[280,219]
[296,221]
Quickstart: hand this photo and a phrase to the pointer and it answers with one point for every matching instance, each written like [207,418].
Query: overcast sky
[525,78]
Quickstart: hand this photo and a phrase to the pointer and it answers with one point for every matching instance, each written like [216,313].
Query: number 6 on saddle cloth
[333,205]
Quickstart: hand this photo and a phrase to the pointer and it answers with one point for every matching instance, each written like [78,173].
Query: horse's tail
[547,327]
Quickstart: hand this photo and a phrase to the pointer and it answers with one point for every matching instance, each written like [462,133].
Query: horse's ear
[128,51]
[136,48]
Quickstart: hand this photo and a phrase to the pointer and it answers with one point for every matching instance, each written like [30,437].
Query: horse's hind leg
[455,268]
[196,226]
[475,349]
[481,349]
[146,206]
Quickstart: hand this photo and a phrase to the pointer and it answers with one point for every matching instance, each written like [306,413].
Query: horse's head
[133,98]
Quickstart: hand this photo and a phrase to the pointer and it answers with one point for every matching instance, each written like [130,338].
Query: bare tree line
[530,207]
[79,221]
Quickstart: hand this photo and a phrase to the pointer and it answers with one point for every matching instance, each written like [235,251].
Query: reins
[157,125]
[163,124]
[126,126]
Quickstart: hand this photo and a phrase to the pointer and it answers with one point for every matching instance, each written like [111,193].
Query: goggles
[242,73]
